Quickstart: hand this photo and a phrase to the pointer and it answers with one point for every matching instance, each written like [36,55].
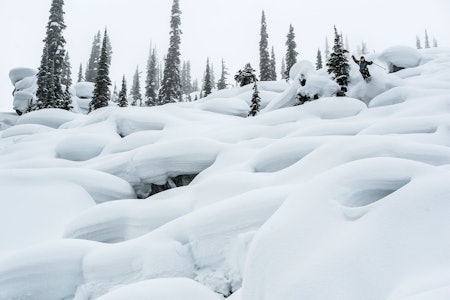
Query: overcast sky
[227,29]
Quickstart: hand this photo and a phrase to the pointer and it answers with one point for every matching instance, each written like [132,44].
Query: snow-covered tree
[418,43]
[50,93]
[115,94]
[122,101]
[66,81]
[94,58]
[273,66]
[364,50]
[264,57]
[427,40]
[80,73]
[171,86]
[435,43]
[207,80]
[283,69]
[222,83]
[186,81]
[195,87]
[109,50]
[135,91]
[291,53]
[245,76]
[327,50]
[256,102]
[151,81]
[102,81]
[338,62]
[319,64]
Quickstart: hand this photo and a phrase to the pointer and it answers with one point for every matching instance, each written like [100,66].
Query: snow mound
[84,90]
[23,100]
[17,74]
[81,147]
[50,117]
[25,129]
[401,56]
[301,70]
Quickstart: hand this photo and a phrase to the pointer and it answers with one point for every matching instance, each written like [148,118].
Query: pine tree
[283,69]
[50,92]
[135,92]
[188,78]
[291,53]
[264,58]
[435,43]
[319,64]
[122,100]
[364,50]
[222,83]
[245,76]
[213,76]
[108,47]
[418,44]
[327,49]
[115,94]
[151,82]
[171,87]
[66,80]
[338,62]
[427,40]
[273,66]
[207,80]
[92,65]
[256,102]
[195,87]
[80,73]
[102,81]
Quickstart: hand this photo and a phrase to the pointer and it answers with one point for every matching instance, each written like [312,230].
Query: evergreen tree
[195,87]
[108,47]
[364,50]
[283,69]
[135,92]
[327,49]
[188,78]
[207,80]
[66,80]
[418,44]
[102,81]
[264,58]
[222,83]
[319,64]
[115,94]
[151,82]
[80,73]
[50,92]
[245,76]
[92,65]
[122,100]
[171,87]
[427,40]
[291,53]
[213,76]
[273,66]
[338,62]
[435,43]
[256,102]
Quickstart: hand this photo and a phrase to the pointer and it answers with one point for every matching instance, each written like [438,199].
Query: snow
[84,89]
[338,198]
[17,74]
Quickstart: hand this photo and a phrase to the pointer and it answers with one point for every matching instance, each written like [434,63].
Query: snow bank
[50,117]
[81,147]
[17,74]
[25,129]
[84,90]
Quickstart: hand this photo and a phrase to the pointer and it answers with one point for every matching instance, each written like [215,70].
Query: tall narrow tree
[50,92]
[435,43]
[80,73]
[94,58]
[283,69]
[291,53]
[427,40]
[319,64]
[418,44]
[207,80]
[135,91]
[256,102]
[151,82]
[273,66]
[102,81]
[327,50]
[264,57]
[222,83]
[338,62]
[170,90]
[122,100]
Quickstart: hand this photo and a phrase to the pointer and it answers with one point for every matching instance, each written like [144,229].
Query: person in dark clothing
[363,63]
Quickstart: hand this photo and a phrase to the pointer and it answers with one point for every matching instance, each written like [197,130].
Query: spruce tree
[195,87]
[151,82]
[319,64]
[327,50]
[135,91]
[256,102]
[109,50]
[283,69]
[66,80]
[273,66]
[188,78]
[427,40]
[435,43]
[92,65]
[264,58]
[338,62]
[115,94]
[207,80]
[222,83]
[122,100]
[80,73]
[291,53]
[171,87]
[50,93]
[245,76]
[102,81]
[418,44]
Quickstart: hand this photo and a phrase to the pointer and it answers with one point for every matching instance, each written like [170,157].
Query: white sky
[214,28]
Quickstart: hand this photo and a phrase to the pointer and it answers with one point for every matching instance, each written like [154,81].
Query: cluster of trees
[426,40]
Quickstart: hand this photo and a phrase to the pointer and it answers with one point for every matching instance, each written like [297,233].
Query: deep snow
[340,198]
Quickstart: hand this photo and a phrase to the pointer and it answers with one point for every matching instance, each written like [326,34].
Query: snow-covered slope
[339,198]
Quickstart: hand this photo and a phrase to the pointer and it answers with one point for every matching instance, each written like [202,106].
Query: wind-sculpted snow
[338,198]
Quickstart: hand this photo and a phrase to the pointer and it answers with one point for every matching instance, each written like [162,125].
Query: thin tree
[338,63]
[66,81]
[207,80]
[171,87]
[80,73]
[291,53]
[264,57]
[327,49]
[122,100]
[102,81]
[50,93]
[273,66]
[151,82]
[418,44]
[256,102]
[94,59]
[435,43]
[222,83]
[319,64]
[427,40]
[283,69]
[135,91]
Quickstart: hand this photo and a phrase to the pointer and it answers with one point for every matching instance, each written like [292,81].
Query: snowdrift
[338,198]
